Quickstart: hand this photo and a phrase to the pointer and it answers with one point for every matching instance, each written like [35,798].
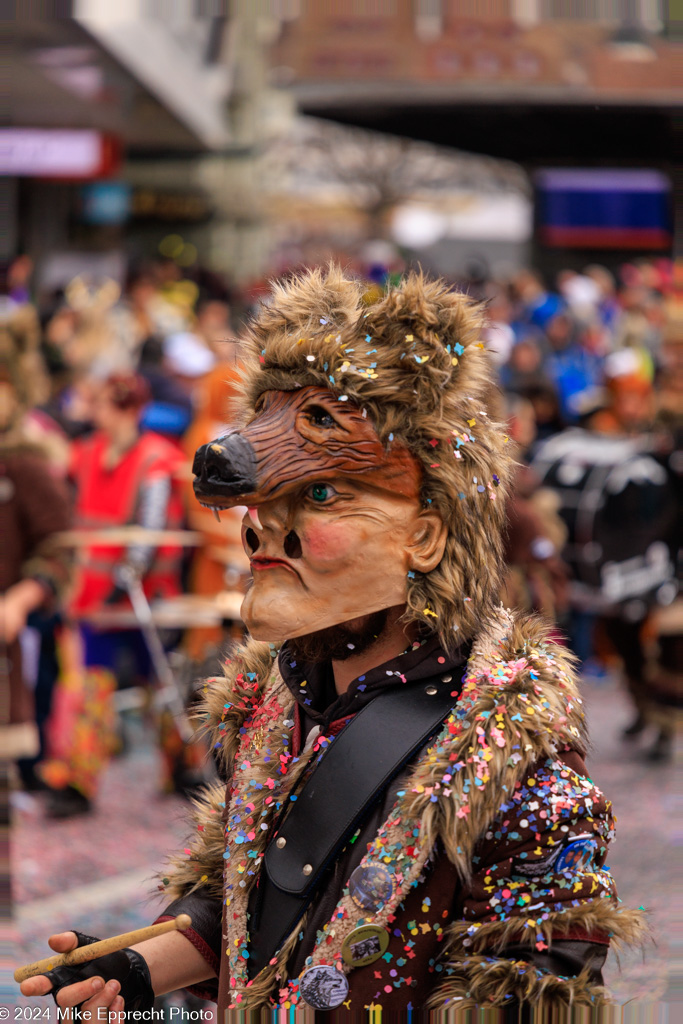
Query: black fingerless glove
[126,966]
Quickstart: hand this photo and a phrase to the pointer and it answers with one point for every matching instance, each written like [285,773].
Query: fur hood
[414,361]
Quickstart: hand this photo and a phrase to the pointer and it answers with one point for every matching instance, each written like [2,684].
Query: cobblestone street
[98,872]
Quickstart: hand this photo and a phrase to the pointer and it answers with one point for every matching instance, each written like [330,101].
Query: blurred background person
[34,507]
[629,395]
[20,336]
[122,477]
[170,409]
[143,312]
[537,576]
[190,355]
[221,561]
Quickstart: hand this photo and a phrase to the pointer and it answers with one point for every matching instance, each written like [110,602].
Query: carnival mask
[334,522]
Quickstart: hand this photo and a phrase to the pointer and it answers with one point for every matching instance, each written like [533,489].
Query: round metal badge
[370,887]
[365,945]
[577,856]
[323,987]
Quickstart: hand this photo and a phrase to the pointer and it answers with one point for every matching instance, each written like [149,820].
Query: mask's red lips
[262,562]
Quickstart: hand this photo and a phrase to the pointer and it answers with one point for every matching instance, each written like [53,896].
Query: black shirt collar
[313,684]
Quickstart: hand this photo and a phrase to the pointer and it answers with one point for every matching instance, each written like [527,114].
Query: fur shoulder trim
[519,703]
[230,699]
[483,982]
[203,869]
[622,925]
[515,652]
[486,974]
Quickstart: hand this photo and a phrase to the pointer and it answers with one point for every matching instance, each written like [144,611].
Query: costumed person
[659,699]
[122,477]
[537,577]
[408,821]
[221,560]
[630,405]
[34,507]
[653,684]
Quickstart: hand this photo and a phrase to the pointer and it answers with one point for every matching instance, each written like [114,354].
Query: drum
[181,612]
[618,501]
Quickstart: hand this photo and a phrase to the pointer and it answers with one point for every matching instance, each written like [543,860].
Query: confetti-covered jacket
[495,839]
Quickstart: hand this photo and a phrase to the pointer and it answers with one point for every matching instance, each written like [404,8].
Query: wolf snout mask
[366,455]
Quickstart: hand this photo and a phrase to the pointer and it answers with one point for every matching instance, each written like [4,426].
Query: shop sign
[152,204]
[57,153]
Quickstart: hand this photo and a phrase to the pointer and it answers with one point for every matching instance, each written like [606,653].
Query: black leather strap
[351,776]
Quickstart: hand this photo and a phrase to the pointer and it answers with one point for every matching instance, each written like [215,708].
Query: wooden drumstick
[83,954]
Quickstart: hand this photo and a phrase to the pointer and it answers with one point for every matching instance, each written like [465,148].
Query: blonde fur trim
[542,695]
[483,982]
[624,927]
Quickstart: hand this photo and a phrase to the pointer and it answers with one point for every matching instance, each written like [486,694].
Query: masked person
[408,820]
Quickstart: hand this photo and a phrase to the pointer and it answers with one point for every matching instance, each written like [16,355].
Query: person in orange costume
[221,558]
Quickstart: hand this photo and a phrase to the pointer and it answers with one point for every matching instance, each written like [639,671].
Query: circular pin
[365,945]
[323,987]
[371,886]
[577,856]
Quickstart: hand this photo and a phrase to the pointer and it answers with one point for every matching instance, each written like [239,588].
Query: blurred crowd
[592,374]
[107,391]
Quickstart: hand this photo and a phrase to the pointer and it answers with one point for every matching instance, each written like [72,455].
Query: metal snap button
[307,869]
[431,690]
[281,842]
[446,679]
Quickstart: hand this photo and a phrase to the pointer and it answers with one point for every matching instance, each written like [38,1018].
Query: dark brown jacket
[33,507]
[496,916]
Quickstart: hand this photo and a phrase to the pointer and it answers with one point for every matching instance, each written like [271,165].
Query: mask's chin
[277,608]
[339,642]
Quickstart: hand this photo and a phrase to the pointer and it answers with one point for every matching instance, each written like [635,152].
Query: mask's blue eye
[321,492]
[321,417]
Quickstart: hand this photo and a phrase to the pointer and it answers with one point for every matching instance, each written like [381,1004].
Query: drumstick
[83,954]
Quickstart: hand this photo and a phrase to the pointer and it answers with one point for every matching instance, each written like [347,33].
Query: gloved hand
[127,966]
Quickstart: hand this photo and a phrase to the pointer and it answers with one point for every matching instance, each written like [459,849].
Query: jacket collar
[312,685]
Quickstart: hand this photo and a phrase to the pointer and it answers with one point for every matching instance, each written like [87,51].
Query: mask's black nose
[225,468]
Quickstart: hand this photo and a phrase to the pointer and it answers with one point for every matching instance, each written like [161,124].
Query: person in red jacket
[122,476]
[125,477]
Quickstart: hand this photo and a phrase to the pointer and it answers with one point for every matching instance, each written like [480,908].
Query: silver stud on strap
[446,679]
[307,869]
[431,690]
[281,843]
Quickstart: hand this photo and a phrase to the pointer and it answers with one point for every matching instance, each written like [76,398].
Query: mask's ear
[428,542]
